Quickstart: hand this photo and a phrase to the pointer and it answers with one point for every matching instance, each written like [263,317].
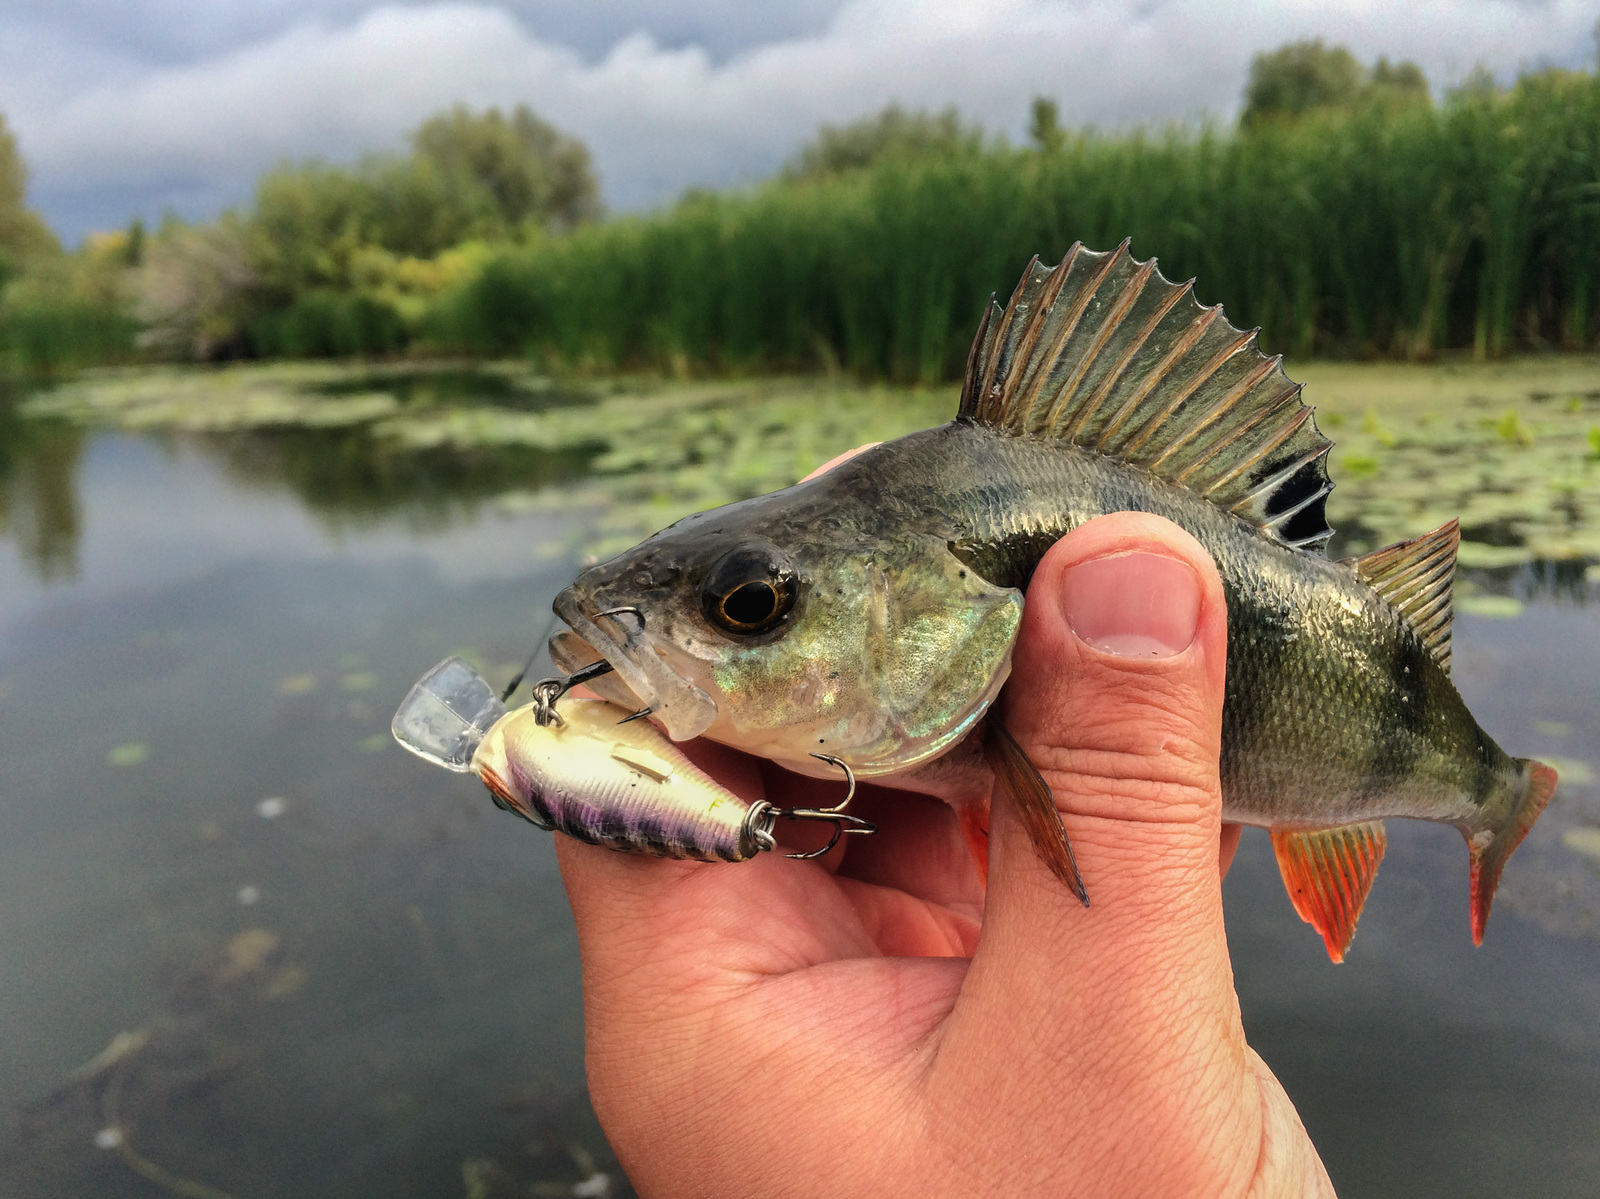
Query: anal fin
[1328,873]
[1035,804]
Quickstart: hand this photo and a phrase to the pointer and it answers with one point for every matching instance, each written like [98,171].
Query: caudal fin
[1489,853]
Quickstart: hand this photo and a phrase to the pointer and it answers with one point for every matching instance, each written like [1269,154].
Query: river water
[339,971]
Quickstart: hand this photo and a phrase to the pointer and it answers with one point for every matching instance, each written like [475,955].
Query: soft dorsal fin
[1105,353]
[1416,578]
[1328,874]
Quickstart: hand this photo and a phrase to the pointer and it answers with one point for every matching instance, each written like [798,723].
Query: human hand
[872,1024]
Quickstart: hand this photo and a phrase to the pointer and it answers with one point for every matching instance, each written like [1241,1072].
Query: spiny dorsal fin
[1416,577]
[1103,352]
[1328,874]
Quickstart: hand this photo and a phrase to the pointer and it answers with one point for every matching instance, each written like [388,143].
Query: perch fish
[870,613]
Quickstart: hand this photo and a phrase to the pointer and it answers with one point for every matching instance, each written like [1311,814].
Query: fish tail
[1491,847]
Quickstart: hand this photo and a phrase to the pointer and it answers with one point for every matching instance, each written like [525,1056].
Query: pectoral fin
[1328,873]
[1036,804]
[975,831]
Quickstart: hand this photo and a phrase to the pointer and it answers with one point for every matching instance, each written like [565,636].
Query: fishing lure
[569,764]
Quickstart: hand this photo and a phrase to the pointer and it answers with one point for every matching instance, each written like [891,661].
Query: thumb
[1116,696]
[1125,1009]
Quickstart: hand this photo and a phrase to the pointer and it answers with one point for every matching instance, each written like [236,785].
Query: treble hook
[843,824]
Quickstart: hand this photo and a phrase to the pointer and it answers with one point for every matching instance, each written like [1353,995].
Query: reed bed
[1389,230]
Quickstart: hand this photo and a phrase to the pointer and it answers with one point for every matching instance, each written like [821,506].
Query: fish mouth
[621,637]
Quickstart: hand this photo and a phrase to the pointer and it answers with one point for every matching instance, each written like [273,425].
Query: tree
[1299,77]
[535,173]
[416,207]
[23,234]
[307,223]
[193,290]
[1044,130]
[1307,76]
[470,176]
[893,132]
[1403,81]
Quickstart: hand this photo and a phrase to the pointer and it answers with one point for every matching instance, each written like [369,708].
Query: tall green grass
[1387,230]
[60,334]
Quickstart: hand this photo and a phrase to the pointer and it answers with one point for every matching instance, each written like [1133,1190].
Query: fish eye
[749,590]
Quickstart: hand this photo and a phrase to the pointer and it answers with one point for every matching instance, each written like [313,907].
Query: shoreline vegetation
[1348,214]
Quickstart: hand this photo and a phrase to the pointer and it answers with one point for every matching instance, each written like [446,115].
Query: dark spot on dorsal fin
[1103,352]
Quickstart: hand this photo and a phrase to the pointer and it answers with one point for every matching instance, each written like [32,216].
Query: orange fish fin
[1489,852]
[1328,873]
[1036,804]
[975,829]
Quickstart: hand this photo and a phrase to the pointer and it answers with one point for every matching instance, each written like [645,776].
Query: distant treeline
[326,261]
[1391,227]
[1348,214]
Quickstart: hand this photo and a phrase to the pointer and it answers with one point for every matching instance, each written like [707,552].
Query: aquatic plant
[1509,448]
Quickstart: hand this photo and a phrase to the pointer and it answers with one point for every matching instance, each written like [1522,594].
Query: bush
[497,311]
[325,324]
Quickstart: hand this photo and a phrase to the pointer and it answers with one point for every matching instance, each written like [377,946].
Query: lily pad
[1495,607]
[1584,840]
[129,753]
[1573,772]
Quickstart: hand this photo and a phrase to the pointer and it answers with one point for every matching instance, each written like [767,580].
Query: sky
[130,108]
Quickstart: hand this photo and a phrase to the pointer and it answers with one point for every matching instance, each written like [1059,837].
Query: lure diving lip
[587,770]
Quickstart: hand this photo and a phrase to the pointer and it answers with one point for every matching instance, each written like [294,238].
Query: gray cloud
[662,115]
[174,32]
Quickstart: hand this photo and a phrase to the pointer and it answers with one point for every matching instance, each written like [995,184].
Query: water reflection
[352,476]
[39,509]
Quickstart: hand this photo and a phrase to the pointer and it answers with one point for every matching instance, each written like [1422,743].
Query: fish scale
[878,603]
